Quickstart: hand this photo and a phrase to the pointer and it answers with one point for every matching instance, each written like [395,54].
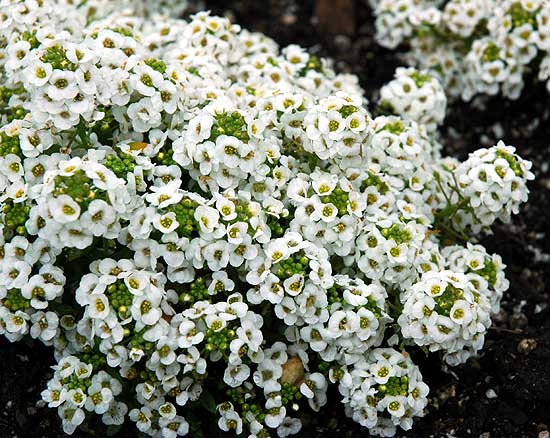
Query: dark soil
[505,392]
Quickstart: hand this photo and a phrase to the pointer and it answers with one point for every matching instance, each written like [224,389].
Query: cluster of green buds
[395,386]
[120,163]
[334,295]
[521,16]
[185,216]
[74,381]
[14,113]
[14,217]
[14,301]
[242,210]
[277,226]
[197,291]
[290,394]
[445,302]
[120,298]
[339,198]
[10,112]
[488,272]
[396,127]
[297,263]
[79,187]
[56,56]
[512,160]
[491,53]
[312,64]
[156,64]
[230,124]
[165,156]
[218,340]
[373,180]
[246,400]
[9,145]
[396,233]
[136,340]
[90,356]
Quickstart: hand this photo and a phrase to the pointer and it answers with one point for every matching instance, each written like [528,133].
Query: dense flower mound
[474,46]
[415,95]
[204,226]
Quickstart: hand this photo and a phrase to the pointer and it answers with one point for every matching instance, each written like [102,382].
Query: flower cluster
[205,226]
[75,389]
[474,46]
[444,311]
[415,95]
[383,391]
[485,271]
[490,184]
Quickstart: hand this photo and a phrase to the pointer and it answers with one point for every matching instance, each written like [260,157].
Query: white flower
[294,284]
[174,427]
[220,283]
[382,371]
[289,426]
[15,273]
[145,308]
[395,405]
[72,417]
[231,421]
[199,128]
[166,223]
[189,335]
[98,217]
[142,417]
[55,395]
[98,306]
[144,115]
[38,73]
[16,323]
[234,376]
[62,85]
[275,416]
[64,209]
[145,80]
[207,218]
[44,325]
[116,414]
[99,399]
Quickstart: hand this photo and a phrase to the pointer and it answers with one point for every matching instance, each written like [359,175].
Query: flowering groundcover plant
[192,217]
[473,46]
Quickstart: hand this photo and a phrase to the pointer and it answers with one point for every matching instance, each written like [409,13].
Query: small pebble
[342,42]
[491,394]
[527,345]
[288,19]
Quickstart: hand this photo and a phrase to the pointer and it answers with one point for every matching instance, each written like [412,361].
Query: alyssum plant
[199,222]
[473,46]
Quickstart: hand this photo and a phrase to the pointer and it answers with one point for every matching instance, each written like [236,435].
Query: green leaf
[62,308]
[207,402]
[113,430]
[194,425]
